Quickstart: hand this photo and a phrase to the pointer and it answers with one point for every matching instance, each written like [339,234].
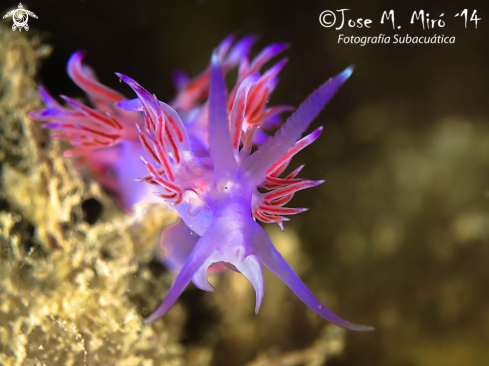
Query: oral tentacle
[206,244]
[252,269]
[272,259]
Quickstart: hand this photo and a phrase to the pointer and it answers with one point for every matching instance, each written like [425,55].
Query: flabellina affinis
[197,155]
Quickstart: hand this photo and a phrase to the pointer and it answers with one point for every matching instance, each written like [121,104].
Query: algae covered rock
[75,276]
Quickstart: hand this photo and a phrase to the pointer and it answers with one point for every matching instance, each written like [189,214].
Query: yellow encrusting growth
[70,293]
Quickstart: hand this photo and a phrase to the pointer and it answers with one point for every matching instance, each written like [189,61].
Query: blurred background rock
[397,236]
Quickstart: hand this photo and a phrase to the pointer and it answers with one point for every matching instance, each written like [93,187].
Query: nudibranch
[213,183]
[198,154]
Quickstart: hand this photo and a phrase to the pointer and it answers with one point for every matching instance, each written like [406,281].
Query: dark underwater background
[398,235]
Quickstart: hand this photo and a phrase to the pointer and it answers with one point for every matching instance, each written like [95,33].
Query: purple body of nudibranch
[198,155]
[216,192]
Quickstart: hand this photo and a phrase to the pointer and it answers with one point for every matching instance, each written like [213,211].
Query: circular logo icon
[327,18]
